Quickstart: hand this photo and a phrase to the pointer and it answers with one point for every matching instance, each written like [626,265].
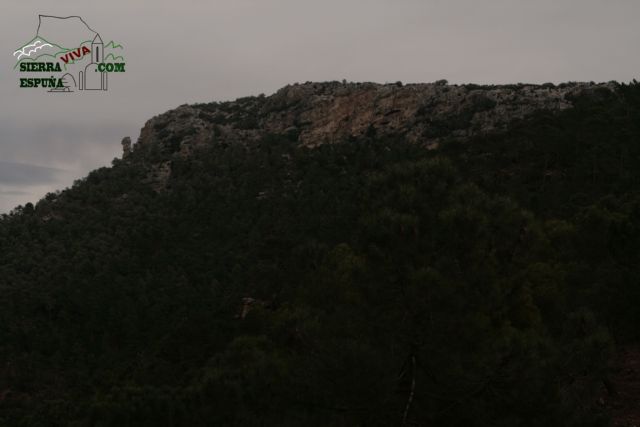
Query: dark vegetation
[487,283]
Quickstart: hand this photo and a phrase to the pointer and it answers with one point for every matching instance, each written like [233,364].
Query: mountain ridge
[329,112]
[312,114]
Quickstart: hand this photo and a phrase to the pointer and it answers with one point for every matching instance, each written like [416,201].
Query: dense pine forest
[373,282]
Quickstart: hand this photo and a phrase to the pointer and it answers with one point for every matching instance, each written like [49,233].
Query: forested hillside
[368,282]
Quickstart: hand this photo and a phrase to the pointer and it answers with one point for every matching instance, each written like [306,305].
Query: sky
[190,51]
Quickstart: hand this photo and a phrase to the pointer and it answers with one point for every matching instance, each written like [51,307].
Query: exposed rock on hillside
[318,113]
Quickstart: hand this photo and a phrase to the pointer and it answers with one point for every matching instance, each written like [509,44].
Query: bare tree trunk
[407,408]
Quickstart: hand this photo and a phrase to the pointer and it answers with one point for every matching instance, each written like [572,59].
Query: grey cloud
[26,175]
[13,193]
[59,144]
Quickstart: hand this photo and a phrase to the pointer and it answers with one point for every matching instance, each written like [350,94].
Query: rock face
[319,113]
[126,147]
[312,114]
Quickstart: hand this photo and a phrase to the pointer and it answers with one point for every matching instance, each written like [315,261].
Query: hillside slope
[336,254]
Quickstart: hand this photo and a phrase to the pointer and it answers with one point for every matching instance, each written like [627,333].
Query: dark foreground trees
[364,283]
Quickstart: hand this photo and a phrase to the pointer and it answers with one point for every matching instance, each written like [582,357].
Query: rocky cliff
[318,113]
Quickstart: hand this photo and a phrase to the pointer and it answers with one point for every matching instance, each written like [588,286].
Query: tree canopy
[371,282]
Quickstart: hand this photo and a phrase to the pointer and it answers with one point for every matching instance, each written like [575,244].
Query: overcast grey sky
[186,51]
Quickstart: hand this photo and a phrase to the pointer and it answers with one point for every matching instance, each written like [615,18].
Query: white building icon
[92,79]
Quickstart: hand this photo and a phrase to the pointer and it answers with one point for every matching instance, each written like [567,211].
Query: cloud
[13,193]
[26,174]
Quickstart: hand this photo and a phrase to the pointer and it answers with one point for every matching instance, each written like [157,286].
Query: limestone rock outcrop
[319,113]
